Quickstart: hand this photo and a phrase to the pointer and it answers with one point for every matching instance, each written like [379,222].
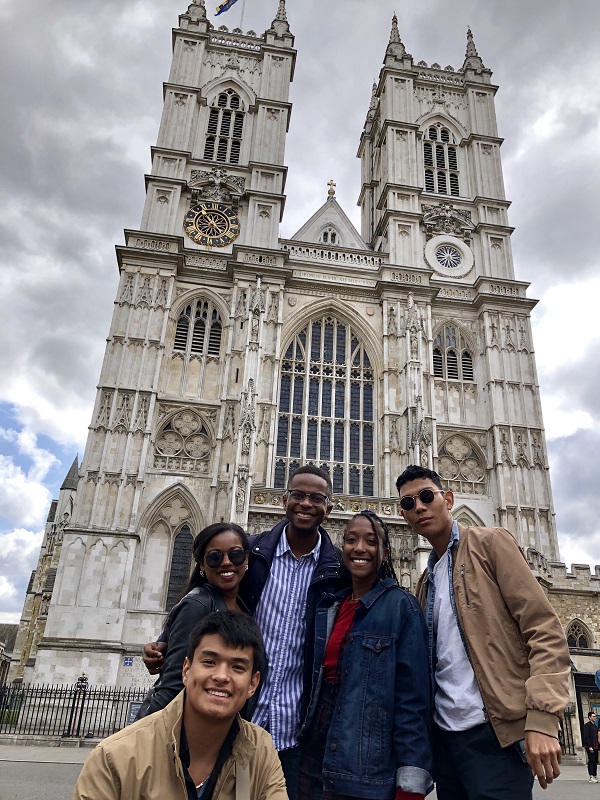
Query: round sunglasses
[214,559]
[407,503]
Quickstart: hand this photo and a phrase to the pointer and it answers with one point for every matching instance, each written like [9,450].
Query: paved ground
[49,773]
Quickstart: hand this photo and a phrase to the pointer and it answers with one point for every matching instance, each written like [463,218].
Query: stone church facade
[235,356]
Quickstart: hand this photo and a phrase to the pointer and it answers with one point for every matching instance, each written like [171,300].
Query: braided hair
[380,529]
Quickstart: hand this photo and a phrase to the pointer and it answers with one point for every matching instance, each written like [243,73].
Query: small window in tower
[438,364]
[333,237]
[429,182]
[226,120]
[452,163]
[225,123]
[454,189]
[452,363]
[238,126]
[428,154]
[445,135]
[209,148]
[440,157]
[433,134]
[198,336]
[213,121]
[234,157]
[181,333]
[467,366]
[214,339]
[222,150]
[441,179]
[325,237]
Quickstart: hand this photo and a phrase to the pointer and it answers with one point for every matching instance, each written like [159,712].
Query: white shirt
[458,704]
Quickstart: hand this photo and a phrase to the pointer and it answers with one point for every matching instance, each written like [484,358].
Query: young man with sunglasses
[498,655]
[291,568]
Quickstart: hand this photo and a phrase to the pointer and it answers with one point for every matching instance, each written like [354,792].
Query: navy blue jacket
[325,581]
[378,739]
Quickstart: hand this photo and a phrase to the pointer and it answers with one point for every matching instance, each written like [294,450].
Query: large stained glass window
[326,407]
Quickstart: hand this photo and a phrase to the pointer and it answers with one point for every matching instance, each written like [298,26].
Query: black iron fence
[78,710]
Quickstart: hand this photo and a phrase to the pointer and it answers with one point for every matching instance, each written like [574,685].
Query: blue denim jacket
[379,735]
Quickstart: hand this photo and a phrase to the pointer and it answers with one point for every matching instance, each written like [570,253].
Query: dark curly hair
[380,529]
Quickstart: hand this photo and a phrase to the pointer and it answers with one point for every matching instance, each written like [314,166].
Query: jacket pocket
[378,644]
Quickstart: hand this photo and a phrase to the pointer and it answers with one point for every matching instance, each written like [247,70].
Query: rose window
[448,256]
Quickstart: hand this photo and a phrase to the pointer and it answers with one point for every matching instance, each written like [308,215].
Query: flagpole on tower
[242,18]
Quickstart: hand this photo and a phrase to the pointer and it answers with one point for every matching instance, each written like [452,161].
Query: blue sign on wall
[128,662]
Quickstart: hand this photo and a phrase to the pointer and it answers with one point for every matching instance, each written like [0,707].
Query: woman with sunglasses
[366,733]
[221,556]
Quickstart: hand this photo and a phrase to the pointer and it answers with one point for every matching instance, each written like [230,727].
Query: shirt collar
[283,546]
[433,556]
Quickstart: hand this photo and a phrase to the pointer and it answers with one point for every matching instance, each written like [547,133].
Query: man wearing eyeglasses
[291,567]
[498,655]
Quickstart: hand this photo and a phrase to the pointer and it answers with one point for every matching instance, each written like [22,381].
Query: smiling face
[227,576]
[362,552]
[219,679]
[433,520]
[304,516]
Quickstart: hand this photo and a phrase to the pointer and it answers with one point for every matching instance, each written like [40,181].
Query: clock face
[213,224]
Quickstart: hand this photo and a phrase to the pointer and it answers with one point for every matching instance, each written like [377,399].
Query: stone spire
[281,11]
[472,60]
[72,478]
[373,103]
[395,50]
[280,25]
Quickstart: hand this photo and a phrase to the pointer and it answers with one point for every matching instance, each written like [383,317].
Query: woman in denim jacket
[366,733]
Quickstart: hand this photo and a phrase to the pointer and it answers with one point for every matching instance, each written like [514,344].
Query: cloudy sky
[81,98]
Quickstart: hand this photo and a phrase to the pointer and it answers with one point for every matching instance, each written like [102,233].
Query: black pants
[290,764]
[471,765]
[592,757]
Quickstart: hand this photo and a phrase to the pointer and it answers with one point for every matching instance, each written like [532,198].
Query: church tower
[235,356]
[461,365]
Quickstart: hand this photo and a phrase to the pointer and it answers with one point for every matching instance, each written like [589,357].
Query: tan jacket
[516,643]
[142,762]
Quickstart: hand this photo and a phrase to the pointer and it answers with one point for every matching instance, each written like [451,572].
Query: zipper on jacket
[464,580]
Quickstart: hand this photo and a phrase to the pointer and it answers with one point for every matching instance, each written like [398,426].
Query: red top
[339,633]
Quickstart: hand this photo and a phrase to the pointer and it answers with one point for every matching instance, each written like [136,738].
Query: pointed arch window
[326,414]
[578,635]
[440,159]
[225,129]
[452,358]
[330,236]
[181,563]
[199,330]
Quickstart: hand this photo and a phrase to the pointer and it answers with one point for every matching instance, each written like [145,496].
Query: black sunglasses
[407,503]
[215,558]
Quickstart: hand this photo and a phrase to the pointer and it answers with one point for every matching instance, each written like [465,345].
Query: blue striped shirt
[281,617]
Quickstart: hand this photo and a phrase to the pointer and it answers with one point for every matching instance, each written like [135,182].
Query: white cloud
[24,500]
[21,543]
[6,588]
[10,617]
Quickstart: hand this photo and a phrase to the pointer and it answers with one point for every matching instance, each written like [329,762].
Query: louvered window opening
[452,359]
[325,414]
[225,129]
[441,162]
[199,330]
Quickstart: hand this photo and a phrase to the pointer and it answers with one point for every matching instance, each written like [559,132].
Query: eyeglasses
[316,498]
[215,558]
[407,503]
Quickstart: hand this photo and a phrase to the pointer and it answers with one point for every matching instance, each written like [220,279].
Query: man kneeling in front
[198,746]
